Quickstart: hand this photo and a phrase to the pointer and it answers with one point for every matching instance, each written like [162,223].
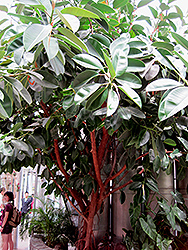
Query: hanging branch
[44,108]
[58,158]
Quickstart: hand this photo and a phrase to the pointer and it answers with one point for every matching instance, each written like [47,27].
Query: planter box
[38,244]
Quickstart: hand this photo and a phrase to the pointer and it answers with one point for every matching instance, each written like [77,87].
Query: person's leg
[10,241]
[4,241]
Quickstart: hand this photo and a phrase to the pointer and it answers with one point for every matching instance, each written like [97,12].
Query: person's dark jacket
[26,205]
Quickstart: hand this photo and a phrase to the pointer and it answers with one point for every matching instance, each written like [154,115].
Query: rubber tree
[87,93]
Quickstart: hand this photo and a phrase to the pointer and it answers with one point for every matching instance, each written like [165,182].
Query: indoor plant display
[53,225]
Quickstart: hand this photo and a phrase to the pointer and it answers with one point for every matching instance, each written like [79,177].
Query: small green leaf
[79,12]
[3,8]
[119,3]
[143,3]
[181,40]
[153,11]
[170,142]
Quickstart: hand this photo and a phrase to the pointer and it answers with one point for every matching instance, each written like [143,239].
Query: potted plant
[53,225]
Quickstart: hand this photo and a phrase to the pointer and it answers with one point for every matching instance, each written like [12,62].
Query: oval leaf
[51,46]
[174,102]
[112,102]
[35,34]
[163,84]
[129,79]
[88,61]
[79,12]
[70,21]
[132,95]
[85,92]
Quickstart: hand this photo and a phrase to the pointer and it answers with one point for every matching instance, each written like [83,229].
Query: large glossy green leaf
[174,102]
[120,61]
[129,79]
[119,3]
[95,48]
[51,46]
[181,40]
[73,37]
[120,44]
[147,229]
[109,64]
[143,3]
[85,92]
[97,99]
[5,105]
[83,78]
[70,21]
[135,65]
[79,12]
[131,94]
[102,39]
[21,89]
[163,84]
[34,34]
[88,61]
[112,102]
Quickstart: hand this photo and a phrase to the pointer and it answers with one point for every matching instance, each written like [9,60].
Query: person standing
[26,204]
[2,191]
[6,229]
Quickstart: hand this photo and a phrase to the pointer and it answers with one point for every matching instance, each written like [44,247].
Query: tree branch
[59,162]
[95,158]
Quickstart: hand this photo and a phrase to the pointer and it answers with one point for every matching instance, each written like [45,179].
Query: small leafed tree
[88,93]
